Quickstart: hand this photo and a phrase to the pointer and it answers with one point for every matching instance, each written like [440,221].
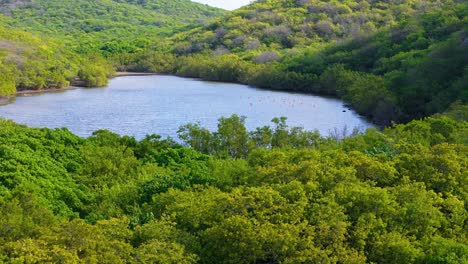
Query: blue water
[159,104]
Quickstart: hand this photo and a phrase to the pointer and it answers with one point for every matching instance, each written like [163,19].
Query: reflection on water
[141,105]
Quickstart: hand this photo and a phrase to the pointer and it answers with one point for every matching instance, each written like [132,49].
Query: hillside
[102,21]
[177,10]
[184,10]
[29,61]
[383,50]
[420,65]
[285,24]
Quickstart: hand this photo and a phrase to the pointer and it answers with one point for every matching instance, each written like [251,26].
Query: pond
[160,104]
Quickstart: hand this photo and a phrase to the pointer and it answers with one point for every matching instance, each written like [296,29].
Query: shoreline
[7,99]
[4,100]
[122,74]
[25,92]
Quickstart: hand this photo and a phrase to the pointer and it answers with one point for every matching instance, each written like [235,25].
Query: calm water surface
[141,105]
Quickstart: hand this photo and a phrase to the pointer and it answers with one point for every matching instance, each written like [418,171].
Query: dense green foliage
[273,195]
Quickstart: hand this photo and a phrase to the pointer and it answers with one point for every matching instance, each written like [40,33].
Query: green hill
[98,22]
[286,24]
[183,10]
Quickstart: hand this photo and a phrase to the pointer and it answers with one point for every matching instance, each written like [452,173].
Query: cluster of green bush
[28,62]
[273,195]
